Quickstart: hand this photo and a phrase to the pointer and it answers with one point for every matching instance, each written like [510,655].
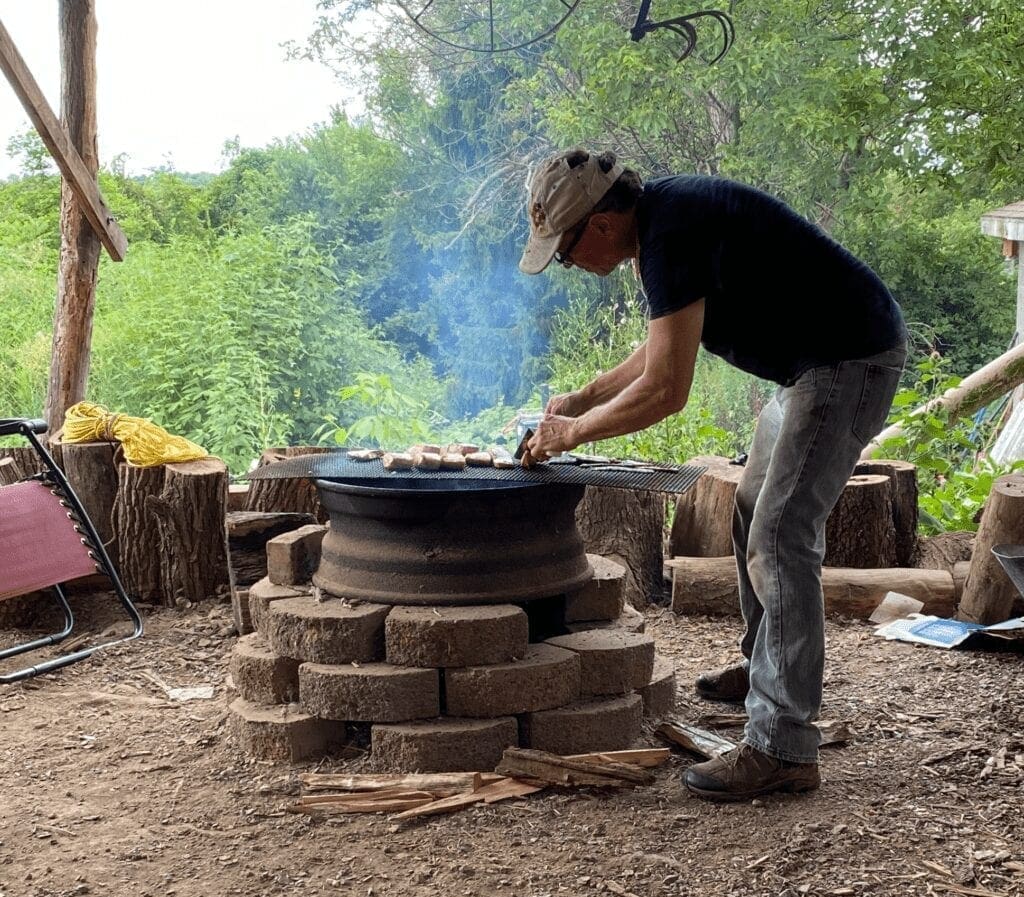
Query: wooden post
[989,593]
[136,529]
[80,244]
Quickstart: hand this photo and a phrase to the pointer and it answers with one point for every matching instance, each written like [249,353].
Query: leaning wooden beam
[986,385]
[61,148]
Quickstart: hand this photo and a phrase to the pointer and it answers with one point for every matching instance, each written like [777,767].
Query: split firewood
[365,454]
[428,447]
[504,463]
[455,781]
[453,461]
[461,448]
[555,770]
[398,461]
[698,741]
[503,789]
[369,802]
[427,460]
[645,757]
[479,459]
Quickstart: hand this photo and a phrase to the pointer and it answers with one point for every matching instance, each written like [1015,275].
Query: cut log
[626,527]
[248,534]
[294,495]
[136,529]
[26,460]
[944,550]
[859,531]
[989,593]
[9,472]
[190,512]
[903,497]
[702,526]
[710,586]
[91,469]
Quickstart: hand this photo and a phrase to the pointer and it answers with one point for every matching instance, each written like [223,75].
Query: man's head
[565,192]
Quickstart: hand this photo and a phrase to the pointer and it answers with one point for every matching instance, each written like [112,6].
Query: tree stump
[702,526]
[626,527]
[903,496]
[26,460]
[190,511]
[9,472]
[989,594]
[860,531]
[298,496]
[91,469]
[711,586]
[136,528]
[943,550]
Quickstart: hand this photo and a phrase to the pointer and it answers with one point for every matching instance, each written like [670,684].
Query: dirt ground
[108,788]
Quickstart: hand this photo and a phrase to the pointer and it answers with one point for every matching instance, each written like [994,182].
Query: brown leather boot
[745,773]
[728,684]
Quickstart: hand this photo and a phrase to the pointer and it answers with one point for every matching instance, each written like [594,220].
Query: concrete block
[292,558]
[371,692]
[281,732]
[263,593]
[605,724]
[659,695]
[630,620]
[443,745]
[612,662]
[330,631]
[546,677]
[455,636]
[603,597]
[260,675]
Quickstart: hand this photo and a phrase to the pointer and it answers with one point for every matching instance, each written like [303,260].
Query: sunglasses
[564,258]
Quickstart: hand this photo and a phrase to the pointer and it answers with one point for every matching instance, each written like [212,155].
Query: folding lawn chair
[46,540]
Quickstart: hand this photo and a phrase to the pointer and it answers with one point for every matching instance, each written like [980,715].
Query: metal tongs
[592,462]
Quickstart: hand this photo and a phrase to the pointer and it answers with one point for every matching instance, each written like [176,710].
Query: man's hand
[554,434]
[566,404]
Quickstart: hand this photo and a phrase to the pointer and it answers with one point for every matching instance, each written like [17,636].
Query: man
[732,268]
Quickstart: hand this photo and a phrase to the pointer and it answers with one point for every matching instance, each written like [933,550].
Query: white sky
[177,79]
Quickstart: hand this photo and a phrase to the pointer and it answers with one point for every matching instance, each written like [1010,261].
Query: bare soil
[109,788]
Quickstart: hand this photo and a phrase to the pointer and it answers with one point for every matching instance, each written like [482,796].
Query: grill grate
[336,465]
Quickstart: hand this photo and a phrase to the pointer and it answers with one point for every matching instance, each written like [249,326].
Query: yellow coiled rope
[144,443]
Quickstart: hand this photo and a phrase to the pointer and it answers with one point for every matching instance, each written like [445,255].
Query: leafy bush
[954,476]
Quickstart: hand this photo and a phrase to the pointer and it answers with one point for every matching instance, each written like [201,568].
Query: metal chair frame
[53,477]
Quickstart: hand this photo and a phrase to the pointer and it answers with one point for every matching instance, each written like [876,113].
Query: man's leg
[731,683]
[828,417]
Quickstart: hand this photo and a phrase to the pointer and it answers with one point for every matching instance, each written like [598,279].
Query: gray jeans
[807,442]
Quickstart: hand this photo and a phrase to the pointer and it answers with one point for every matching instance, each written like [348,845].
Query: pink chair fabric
[38,543]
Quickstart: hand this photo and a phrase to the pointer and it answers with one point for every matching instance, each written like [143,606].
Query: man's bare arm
[661,389]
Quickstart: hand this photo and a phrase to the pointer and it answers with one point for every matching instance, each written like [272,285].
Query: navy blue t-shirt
[781,295]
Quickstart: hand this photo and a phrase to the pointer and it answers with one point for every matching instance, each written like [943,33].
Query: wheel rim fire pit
[425,541]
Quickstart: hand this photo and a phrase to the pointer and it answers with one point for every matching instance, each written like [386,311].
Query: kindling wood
[62,149]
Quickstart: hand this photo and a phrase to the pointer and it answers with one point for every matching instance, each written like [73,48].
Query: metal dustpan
[1012,559]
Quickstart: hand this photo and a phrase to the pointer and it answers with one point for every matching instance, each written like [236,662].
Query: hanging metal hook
[684,27]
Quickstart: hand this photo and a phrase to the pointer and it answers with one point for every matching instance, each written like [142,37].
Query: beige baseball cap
[561,197]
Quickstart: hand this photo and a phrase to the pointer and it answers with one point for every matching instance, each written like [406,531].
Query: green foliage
[954,476]
[388,417]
